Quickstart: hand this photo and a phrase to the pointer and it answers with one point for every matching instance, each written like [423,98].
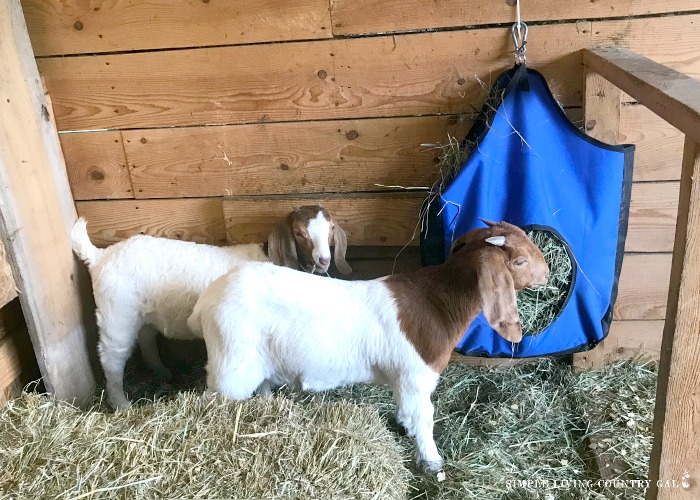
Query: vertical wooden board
[601,108]
[96,165]
[368,220]
[675,454]
[333,156]
[10,367]
[371,16]
[671,40]
[195,219]
[652,222]
[36,216]
[643,287]
[8,289]
[427,73]
[659,145]
[638,340]
[75,27]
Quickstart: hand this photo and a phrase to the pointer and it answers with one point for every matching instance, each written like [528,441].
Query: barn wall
[165,106]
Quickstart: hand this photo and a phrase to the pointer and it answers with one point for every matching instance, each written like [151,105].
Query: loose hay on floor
[496,428]
[198,447]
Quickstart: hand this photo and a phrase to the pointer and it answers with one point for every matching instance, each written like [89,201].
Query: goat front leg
[415,413]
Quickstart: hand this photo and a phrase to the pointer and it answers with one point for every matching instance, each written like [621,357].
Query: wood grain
[36,215]
[10,367]
[638,340]
[652,222]
[8,288]
[426,73]
[368,219]
[601,108]
[643,288]
[659,146]
[308,157]
[671,40]
[96,165]
[371,16]
[673,96]
[676,449]
[195,219]
[77,27]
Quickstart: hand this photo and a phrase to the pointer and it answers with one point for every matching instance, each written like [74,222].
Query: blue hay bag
[532,167]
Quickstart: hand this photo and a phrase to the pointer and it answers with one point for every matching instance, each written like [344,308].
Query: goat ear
[340,242]
[281,246]
[497,295]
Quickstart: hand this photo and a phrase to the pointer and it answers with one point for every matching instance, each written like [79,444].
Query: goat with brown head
[303,239]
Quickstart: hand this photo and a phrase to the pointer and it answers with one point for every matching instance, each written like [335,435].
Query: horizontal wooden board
[332,156]
[426,73]
[194,219]
[368,220]
[653,211]
[371,16]
[60,27]
[639,340]
[96,165]
[659,146]
[671,41]
[643,289]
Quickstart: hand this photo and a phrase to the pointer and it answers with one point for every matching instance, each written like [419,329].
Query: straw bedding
[495,428]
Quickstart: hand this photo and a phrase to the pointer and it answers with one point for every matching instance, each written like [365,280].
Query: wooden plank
[668,40]
[652,221]
[196,219]
[307,157]
[8,289]
[59,27]
[673,96]
[676,451]
[11,391]
[426,73]
[37,214]
[10,367]
[368,220]
[643,288]
[638,340]
[601,108]
[659,146]
[96,165]
[372,16]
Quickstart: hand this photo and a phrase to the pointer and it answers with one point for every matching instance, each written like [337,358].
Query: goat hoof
[124,404]
[432,466]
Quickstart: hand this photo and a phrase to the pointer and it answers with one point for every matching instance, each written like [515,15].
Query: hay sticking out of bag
[539,307]
[198,447]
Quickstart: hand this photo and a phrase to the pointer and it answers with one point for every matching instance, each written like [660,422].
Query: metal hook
[519,32]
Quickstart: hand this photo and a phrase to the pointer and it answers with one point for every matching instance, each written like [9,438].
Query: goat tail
[82,246]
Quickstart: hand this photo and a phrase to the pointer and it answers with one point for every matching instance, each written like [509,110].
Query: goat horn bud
[498,241]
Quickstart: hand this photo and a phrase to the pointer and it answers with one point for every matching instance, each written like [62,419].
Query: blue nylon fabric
[545,174]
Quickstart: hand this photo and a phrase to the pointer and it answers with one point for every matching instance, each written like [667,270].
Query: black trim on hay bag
[530,166]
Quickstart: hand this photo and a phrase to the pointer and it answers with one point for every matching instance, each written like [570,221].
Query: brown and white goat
[145,285]
[260,326]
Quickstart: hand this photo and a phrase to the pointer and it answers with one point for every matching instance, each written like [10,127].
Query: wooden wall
[165,106]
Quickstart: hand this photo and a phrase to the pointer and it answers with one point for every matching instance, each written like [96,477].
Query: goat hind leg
[117,339]
[148,343]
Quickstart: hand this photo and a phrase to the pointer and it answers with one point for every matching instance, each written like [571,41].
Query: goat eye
[520,262]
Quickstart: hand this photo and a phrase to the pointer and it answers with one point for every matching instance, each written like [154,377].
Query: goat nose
[324,261]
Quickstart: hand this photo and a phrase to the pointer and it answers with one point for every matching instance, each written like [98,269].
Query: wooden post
[601,119]
[36,215]
[675,457]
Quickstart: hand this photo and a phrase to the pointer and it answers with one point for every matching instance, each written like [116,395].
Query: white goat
[145,285]
[264,324]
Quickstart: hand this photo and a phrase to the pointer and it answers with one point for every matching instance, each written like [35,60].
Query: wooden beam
[36,215]
[676,449]
[673,96]
[601,108]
